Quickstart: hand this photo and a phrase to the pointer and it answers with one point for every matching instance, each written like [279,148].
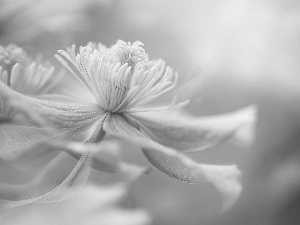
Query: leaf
[186,133]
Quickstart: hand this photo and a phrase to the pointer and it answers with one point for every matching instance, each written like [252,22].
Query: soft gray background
[247,52]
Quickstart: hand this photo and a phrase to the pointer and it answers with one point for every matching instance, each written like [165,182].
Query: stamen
[121,78]
[155,92]
[3,76]
[65,64]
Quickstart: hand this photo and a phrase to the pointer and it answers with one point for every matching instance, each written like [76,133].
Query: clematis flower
[26,76]
[117,84]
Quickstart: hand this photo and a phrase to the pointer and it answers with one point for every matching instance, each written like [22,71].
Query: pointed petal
[34,154]
[51,185]
[13,138]
[31,159]
[226,179]
[17,140]
[38,111]
[93,203]
[188,134]
[27,121]
[54,189]
[177,165]
[106,158]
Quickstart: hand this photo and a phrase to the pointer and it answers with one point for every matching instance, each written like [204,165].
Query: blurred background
[236,52]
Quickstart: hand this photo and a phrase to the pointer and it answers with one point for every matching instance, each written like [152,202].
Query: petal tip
[246,133]
[226,179]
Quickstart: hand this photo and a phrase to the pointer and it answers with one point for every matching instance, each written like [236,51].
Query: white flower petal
[17,138]
[56,189]
[91,206]
[50,186]
[26,121]
[66,114]
[14,138]
[226,179]
[187,133]
[31,159]
[177,165]
[106,155]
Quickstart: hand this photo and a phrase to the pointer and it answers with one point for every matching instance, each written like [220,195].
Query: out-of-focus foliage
[91,206]
[24,20]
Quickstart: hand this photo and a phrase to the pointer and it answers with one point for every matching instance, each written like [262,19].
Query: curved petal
[188,134]
[226,179]
[66,113]
[16,137]
[31,159]
[177,165]
[106,155]
[28,121]
[93,203]
[57,189]
[106,158]
[28,148]
[51,185]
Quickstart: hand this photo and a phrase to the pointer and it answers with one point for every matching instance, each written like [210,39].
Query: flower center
[113,85]
[121,77]
[109,74]
[128,53]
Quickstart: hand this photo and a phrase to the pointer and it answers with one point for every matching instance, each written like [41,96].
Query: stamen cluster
[121,77]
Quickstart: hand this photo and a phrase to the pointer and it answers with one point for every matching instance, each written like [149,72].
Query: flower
[25,76]
[117,84]
[21,73]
